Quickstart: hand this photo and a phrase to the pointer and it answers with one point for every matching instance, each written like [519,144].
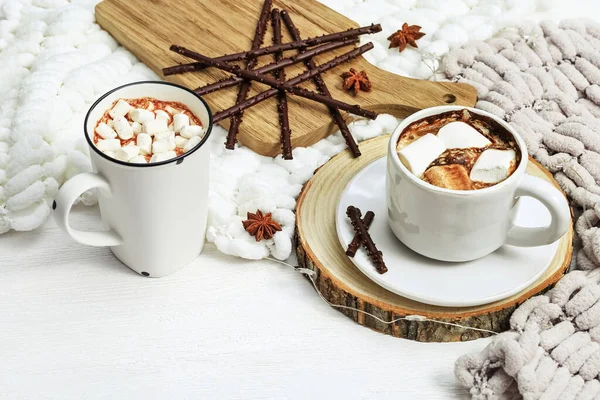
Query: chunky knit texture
[545,80]
[54,62]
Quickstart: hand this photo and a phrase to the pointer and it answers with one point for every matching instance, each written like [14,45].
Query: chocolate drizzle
[464,157]
[322,87]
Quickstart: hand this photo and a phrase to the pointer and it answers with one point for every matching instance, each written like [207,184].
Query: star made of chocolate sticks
[280,87]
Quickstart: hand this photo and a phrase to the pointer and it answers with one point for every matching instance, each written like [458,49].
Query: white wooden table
[75,323]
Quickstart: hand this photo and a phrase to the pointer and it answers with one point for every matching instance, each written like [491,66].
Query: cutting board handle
[402,96]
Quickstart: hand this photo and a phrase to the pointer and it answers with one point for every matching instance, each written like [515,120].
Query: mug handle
[554,201]
[68,194]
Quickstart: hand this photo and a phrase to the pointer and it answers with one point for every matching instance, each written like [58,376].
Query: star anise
[356,81]
[261,226]
[406,35]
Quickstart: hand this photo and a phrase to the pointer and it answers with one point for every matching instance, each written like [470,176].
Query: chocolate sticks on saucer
[361,231]
[357,241]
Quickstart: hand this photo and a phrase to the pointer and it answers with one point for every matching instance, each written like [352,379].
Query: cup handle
[554,201]
[68,194]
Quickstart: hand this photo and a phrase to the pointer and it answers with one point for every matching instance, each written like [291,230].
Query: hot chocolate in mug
[463,225]
[154,214]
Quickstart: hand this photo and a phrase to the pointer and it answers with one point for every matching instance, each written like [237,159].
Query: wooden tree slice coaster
[341,283]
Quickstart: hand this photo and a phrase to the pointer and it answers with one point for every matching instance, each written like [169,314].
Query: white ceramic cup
[154,214]
[454,225]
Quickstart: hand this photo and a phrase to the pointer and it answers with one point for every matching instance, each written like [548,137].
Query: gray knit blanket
[545,80]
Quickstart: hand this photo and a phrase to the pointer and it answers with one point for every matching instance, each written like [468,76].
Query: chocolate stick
[294,81]
[332,37]
[198,66]
[259,35]
[359,227]
[229,82]
[357,241]
[282,104]
[322,87]
[288,86]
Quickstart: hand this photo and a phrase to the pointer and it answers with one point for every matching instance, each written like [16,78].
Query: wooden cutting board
[341,283]
[147,28]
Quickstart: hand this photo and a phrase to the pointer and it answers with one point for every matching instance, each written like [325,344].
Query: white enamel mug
[454,225]
[155,214]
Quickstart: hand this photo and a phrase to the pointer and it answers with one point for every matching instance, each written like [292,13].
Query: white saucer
[499,275]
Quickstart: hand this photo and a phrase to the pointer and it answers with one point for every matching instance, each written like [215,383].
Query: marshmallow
[111,154]
[163,145]
[128,152]
[110,123]
[137,127]
[417,156]
[191,143]
[172,110]
[452,176]
[162,135]
[160,114]
[180,141]
[106,131]
[138,160]
[493,166]
[163,156]
[189,132]
[144,142]
[179,121]
[109,145]
[120,109]
[140,115]
[458,135]
[123,128]
[155,126]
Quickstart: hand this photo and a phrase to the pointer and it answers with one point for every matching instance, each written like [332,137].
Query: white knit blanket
[545,80]
[55,61]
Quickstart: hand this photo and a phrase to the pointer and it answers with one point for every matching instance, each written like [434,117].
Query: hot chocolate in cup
[453,198]
[154,210]
[458,150]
